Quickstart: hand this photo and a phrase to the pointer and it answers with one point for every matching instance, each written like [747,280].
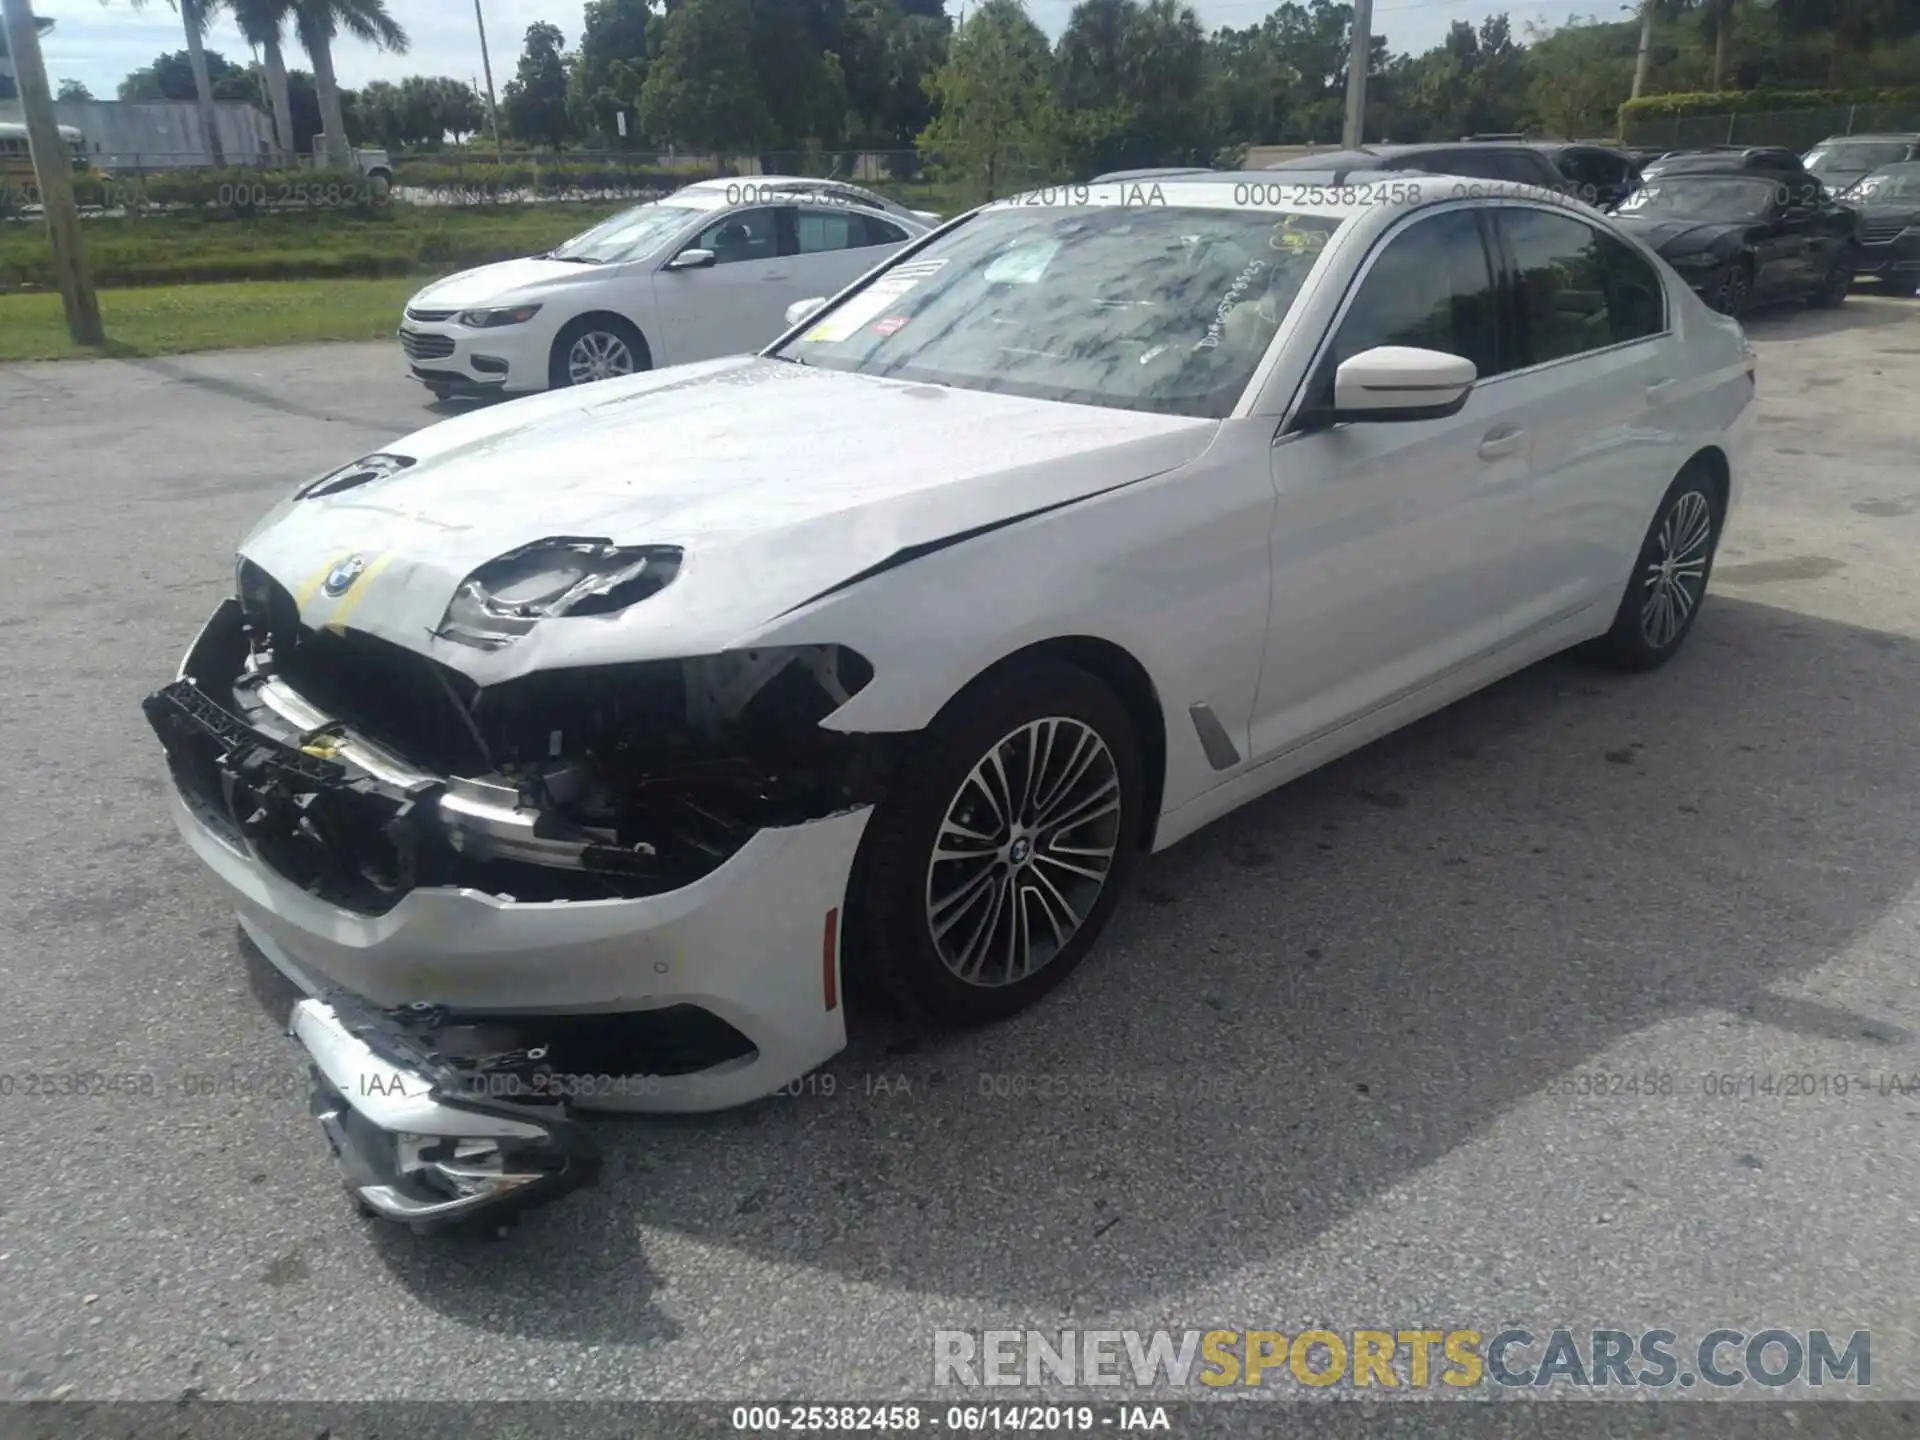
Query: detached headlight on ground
[493,319]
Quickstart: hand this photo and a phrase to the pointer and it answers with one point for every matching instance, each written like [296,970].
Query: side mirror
[691,260]
[801,309]
[1398,382]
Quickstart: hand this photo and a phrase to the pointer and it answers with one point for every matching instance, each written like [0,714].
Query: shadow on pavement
[1304,1005]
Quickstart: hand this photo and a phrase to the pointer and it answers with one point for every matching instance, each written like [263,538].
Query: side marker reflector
[830,959]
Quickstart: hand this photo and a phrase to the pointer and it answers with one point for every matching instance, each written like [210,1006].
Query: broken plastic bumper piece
[426,1139]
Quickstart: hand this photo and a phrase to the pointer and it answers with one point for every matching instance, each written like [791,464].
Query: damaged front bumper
[453,1025]
[426,1142]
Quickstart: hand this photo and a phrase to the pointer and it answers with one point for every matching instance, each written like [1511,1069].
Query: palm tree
[317,22]
[1649,11]
[195,15]
[263,22]
[1718,15]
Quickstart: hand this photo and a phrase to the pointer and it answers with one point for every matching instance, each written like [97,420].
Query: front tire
[1735,291]
[1669,580]
[596,347]
[1839,279]
[994,862]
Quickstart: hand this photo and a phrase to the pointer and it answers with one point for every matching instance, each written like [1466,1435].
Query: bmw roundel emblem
[341,577]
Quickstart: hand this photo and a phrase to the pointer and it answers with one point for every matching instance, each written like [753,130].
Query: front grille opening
[414,705]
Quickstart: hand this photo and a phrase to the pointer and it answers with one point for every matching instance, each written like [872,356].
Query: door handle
[1501,441]
[1659,391]
[781,275]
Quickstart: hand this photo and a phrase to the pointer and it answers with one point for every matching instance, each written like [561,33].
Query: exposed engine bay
[359,769]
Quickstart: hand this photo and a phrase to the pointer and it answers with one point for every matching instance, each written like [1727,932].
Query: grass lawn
[180,249]
[172,319]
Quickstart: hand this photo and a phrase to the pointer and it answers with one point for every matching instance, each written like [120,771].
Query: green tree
[195,16]
[318,23]
[1853,29]
[886,54]
[73,90]
[1474,82]
[264,25]
[534,103]
[1130,75]
[701,89]
[996,124]
[1579,73]
[170,76]
[609,69]
[1248,82]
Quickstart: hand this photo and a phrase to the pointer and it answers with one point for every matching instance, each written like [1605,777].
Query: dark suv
[1594,173]
[1841,161]
[1721,159]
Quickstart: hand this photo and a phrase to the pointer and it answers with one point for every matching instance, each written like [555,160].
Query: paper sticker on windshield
[876,299]
[1023,265]
[1291,236]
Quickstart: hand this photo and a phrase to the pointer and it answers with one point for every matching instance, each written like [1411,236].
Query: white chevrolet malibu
[710,270]
[592,750]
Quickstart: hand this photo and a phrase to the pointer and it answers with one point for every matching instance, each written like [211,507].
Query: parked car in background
[1599,174]
[597,748]
[754,188]
[1469,159]
[1768,159]
[1841,160]
[1889,204]
[1742,237]
[707,271]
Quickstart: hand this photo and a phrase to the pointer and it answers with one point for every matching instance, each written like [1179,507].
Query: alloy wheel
[598,355]
[1733,291]
[1676,576]
[1025,849]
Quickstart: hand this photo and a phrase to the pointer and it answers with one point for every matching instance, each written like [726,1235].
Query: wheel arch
[602,314]
[1115,667]
[1713,460]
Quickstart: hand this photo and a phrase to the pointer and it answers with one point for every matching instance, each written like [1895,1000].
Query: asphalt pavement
[1327,1069]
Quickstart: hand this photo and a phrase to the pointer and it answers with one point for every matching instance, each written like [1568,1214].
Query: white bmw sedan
[594,749]
[710,270]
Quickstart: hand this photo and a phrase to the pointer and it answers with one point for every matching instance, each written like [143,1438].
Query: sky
[98,41]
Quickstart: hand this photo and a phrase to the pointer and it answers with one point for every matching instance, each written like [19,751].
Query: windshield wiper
[571,259]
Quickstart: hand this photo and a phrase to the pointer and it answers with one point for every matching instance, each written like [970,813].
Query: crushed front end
[614,887]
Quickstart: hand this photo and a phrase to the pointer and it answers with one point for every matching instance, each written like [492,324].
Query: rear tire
[1669,581]
[994,862]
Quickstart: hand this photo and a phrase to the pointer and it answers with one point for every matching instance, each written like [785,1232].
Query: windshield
[630,235]
[1897,184]
[1164,308]
[1855,155]
[1701,198]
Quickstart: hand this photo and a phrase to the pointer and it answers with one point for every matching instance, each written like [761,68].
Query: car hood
[508,280]
[1676,237]
[1902,210]
[780,482]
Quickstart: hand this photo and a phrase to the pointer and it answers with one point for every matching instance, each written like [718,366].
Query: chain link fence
[1795,129]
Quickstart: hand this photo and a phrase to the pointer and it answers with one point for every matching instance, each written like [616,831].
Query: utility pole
[53,171]
[486,65]
[1357,58]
